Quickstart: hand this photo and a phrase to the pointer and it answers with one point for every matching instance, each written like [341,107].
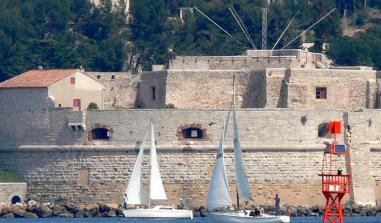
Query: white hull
[158,212]
[231,217]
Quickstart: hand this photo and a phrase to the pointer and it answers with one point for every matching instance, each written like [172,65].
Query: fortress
[285,98]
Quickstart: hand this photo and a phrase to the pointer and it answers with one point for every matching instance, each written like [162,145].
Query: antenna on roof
[242,26]
[281,36]
[213,22]
[264,28]
[309,28]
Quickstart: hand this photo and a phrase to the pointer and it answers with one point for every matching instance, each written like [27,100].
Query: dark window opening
[113,77]
[321,93]
[323,130]
[16,199]
[193,133]
[100,134]
[59,105]
[98,76]
[153,91]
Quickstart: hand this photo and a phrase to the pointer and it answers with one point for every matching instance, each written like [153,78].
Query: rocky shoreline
[34,209]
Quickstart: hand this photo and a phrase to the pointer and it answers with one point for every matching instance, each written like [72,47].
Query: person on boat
[181,204]
[277,204]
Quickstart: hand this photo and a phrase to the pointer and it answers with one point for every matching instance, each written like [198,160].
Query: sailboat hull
[231,217]
[158,212]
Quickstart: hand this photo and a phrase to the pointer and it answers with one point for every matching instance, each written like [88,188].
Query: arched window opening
[323,130]
[15,199]
[100,134]
[193,133]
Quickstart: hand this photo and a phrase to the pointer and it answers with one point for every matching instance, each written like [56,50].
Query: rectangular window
[77,104]
[321,93]
[72,80]
[153,91]
[83,177]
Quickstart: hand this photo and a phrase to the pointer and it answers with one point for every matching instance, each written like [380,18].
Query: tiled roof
[37,78]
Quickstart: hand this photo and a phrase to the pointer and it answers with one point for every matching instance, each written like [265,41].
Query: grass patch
[7,176]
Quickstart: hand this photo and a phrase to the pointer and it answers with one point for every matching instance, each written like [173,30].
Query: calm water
[196,220]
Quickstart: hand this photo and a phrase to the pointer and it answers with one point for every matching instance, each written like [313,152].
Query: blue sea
[196,220]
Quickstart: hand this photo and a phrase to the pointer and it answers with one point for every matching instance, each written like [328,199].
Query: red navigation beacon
[335,176]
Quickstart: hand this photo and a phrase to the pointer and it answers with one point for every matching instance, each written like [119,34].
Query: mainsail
[156,185]
[134,191]
[240,168]
[219,190]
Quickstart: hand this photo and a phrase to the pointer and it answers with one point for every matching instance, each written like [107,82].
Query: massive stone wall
[346,89]
[185,173]
[120,88]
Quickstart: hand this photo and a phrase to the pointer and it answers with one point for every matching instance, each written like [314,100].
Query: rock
[72,208]
[109,214]
[113,206]
[65,215]
[9,215]
[104,208]
[79,214]
[17,211]
[203,212]
[30,215]
[119,212]
[58,209]
[43,211]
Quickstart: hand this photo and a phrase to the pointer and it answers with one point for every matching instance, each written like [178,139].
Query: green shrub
[92,105]
[10,176]
[170,106]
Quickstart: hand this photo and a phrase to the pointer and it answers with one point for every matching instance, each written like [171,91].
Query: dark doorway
[16,199]
[100,134]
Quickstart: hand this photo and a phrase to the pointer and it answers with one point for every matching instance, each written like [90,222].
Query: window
[77,104]
[112,77]
[100,134]
[83,177]
[323,130]
[72,80]
[98,77]
[193,133]
[153,92]
[321,93]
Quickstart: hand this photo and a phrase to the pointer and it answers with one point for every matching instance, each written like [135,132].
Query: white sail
[219,190]
[240,168]
[156,185]
[135,191]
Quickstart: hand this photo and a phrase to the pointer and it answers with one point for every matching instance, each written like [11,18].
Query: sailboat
[135,191]
[219,190]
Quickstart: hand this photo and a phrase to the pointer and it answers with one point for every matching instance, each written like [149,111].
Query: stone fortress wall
[281,148]
[278,116]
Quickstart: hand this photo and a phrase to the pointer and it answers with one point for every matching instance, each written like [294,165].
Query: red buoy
[335,176]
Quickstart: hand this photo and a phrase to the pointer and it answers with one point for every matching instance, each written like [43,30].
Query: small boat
[219,190]
[135,191]
[231,217]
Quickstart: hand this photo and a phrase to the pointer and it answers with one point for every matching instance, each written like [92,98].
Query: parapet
[253,59]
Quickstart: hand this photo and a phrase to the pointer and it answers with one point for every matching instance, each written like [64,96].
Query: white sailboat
[135,191]
[219,190]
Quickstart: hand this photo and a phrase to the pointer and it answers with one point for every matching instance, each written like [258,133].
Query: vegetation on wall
[10,176]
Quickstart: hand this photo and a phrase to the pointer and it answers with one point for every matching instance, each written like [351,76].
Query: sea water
[195,220]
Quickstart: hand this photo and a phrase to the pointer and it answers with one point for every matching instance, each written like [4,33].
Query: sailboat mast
[236,187]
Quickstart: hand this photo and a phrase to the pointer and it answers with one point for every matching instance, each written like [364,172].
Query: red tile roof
[37,78]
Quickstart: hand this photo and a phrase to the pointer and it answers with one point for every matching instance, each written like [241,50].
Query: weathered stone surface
[30,215]
[65,215]
[8,215]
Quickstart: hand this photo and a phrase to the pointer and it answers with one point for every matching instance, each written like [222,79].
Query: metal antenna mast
[213,22]
[264,28]
[309,28]
[242,26]
[345,20]
[281,36]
